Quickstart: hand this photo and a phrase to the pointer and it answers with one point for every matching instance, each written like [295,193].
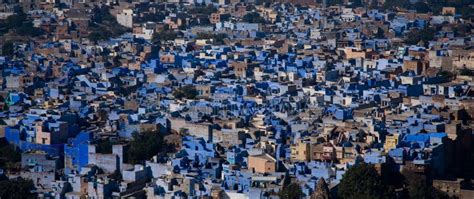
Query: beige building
[414,65]
[391,142]
[167,59]
[240,69]
[56,134]
[351,53]
[463,59]
[262,163]
[453,188]
[448,11]
[215,18]
[300,151]
[204,91]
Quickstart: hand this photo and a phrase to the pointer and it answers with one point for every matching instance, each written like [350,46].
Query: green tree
[205,10]
[218,38]
[419,188]
[292,191]
[421,7]
[98,36]
[361,181]
[102,14]
[104,146]
[334,2]
[322,190]
[380,33]
[105,26]
[266,3]
[8,49]
[164,35]
[9,155]
[145,145]
[462,30]
[187,91]
[203,35]
[15,21]
[27,29]
[16,189]
[253,17]
[466,11]
[357,3]
[417,35]
[373,4]
[395,5]
[446,75]
[467,72]
[20,23]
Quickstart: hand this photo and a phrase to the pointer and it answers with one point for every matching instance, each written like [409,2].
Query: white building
[125,18]
[146,32]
